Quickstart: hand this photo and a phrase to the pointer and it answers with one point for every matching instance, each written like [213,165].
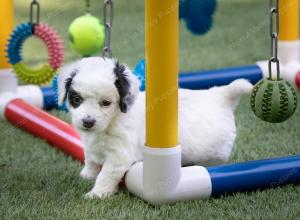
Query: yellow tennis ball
[86,34]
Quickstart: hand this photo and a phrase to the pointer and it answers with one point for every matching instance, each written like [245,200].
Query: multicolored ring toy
[54,46]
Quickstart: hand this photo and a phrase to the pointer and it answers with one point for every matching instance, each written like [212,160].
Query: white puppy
[109,113]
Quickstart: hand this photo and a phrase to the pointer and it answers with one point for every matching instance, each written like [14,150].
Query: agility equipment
[273,99]
[288,52]
[160,178]
[40,97]
[209,78]
[288,38]
[297,80]
[157,180]
[53,42]
[220,77]
[205,79]
[263,174]
[195,182]
[86,34]
[198,14]
[45,126]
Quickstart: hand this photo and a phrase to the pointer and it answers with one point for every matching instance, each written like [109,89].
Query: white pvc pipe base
[6,98]
[160,178]
[8,81]
[288,51]
[29,93]
[290,70]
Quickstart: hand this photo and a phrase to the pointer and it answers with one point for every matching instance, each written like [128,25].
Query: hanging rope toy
[51,39]
[86,34]
[273,100]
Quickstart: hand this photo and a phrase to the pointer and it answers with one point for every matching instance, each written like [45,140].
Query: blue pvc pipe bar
[49,98]
[220,77]
[254,175]
[209,78]
[192,80]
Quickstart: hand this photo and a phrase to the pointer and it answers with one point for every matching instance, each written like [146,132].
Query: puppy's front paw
[98,194]
[90,195]
[89,174]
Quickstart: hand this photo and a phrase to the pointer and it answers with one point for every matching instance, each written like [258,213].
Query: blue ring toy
[14,48]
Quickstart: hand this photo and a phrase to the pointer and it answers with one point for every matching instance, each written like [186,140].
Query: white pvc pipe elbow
[29,93]
[288,51]
[161,180]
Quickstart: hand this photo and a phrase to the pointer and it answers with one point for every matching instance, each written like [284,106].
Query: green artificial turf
[40,182]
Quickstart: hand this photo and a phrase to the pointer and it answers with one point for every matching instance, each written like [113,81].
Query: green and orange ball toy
[87,35]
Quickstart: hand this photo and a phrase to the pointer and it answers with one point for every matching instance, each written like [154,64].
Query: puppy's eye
[105,103]
[75,99]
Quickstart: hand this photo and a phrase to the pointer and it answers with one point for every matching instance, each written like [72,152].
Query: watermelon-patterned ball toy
[273,100]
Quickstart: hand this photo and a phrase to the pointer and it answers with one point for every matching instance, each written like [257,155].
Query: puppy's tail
[235,90]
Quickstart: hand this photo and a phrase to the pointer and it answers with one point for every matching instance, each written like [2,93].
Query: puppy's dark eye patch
[105,103]
[74,98]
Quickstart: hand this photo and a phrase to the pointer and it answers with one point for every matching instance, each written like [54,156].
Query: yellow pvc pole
[6,26]
[289,20]
[161,73]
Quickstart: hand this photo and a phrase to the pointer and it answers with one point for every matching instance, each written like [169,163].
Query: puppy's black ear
[64,81]
[124,86]
[68,83]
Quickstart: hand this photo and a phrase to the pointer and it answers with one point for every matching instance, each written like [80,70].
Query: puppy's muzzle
[88,122]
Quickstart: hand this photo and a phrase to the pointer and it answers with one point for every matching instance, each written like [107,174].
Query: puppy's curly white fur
[108,111]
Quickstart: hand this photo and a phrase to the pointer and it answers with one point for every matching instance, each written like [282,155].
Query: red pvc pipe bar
[43,125]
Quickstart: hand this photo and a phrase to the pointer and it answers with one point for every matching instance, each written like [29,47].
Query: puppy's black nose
[88,122]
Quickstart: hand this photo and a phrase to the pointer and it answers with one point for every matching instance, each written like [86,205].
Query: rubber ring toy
[54,45]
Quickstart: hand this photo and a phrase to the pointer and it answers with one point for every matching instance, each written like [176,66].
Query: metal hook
[34,4]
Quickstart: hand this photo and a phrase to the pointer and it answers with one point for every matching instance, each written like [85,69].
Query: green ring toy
[34,76]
